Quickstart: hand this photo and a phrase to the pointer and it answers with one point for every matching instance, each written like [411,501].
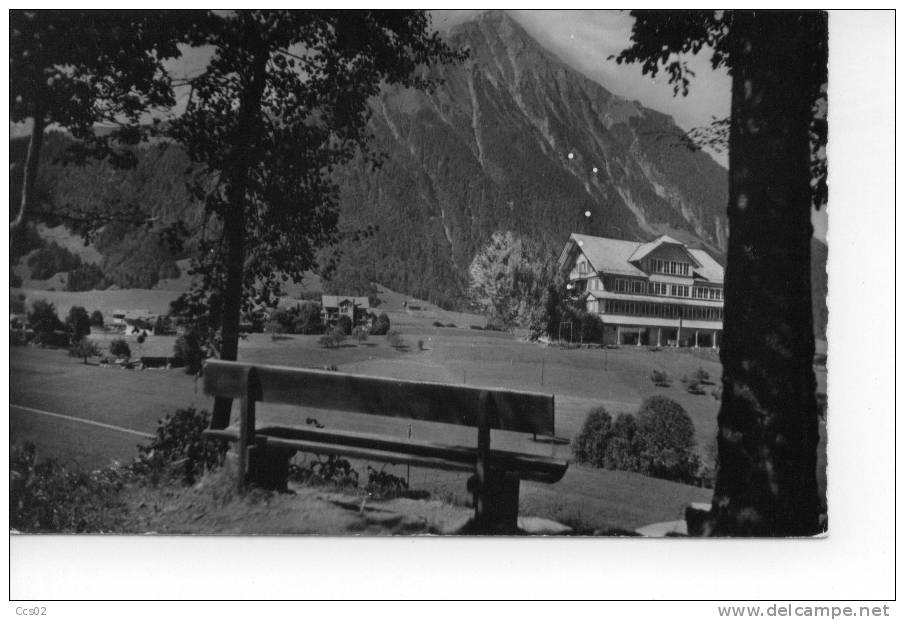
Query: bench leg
[496,504]
[268,468]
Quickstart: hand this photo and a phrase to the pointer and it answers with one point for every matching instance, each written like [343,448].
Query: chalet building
[335,306]
[659,293]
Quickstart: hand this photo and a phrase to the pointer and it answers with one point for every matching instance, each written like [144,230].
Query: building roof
[710,270]
[334,301]
[617,255]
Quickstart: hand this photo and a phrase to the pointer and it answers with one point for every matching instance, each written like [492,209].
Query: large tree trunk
[235,219]
[768,431]
[31,169]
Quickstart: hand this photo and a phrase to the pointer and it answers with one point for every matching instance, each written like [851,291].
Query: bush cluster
[120,348]
[304,318]
[380,325]
[45,497]
[178,449]
[658,442]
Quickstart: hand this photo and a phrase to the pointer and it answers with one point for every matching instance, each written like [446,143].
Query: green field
[580,379]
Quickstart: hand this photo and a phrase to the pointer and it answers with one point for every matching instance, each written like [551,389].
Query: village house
[141,319]
[335,306]
[659,293]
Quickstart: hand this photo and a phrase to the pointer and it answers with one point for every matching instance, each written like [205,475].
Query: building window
[679,290]
[637,286]
[657,288]
[582,268]
[622,286]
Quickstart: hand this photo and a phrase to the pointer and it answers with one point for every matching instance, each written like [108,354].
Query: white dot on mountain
[595,169]
[587,214]
[571,155]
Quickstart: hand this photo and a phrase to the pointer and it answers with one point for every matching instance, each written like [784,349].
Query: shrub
[178,449]
[450,324]
[97,319]
[717,392]
[438,324]
[666,440]
[659,378]
[120,348]
[84,348]
[78,323]
[45,497]
[695,388]
[701,376]
[188,349]
[338,334]
[589,446]
[622,450]
[344,323]
[420,345]
[331,470]
[381,326]
[326,341]
[384,485]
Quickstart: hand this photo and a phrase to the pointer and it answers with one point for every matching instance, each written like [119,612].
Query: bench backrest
[509,410]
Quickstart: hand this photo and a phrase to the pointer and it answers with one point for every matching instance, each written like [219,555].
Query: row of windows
[670,267]
[667,311]
[652,288]
[640,287]
[708,293]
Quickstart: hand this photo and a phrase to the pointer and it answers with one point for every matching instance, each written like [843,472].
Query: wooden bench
[264,452]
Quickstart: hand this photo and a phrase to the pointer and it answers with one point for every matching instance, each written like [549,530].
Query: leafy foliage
[659,378]
[590,445]
[45,497]
[189,349]
[178,449]
[666,435]
[380,326]
[50,260]
[659,442]
[120,348]
[78,68]
[508,280]
[84,349]
[330,470]
[43,319]
[78,322]
[266,126]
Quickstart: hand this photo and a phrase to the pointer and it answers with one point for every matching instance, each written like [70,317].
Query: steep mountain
[516,140]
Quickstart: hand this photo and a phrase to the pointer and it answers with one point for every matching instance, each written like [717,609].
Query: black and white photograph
[365,273]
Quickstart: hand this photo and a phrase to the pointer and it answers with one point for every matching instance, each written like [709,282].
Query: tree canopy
[79,68]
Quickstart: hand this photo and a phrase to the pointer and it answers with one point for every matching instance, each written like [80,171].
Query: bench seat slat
[525,412]
[403,451]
